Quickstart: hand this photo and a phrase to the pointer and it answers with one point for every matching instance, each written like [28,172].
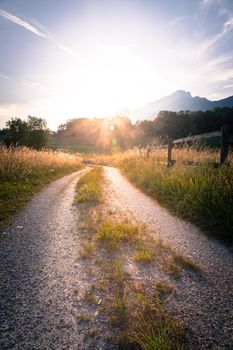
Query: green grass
[185,263]
[112,233]
[88,188]
[144,256]
[23,172]
[146,325]
[80,148]
[87,250]
[173,269]
[90,298]
[203,194]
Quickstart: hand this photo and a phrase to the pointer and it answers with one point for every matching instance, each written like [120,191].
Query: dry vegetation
[202,194]
[23,171]
[134,309]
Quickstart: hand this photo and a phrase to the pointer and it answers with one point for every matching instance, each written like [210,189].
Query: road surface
[42,278]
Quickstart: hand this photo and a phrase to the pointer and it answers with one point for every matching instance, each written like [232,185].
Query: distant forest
[119,132]
[107,134]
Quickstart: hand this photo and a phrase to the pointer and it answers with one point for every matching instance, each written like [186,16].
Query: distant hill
[179,101]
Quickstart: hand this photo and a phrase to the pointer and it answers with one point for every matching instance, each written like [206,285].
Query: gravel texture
[204,303]
[42,279]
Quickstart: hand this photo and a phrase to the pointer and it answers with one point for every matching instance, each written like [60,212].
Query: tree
[16,132]
[32,133]
[38,136]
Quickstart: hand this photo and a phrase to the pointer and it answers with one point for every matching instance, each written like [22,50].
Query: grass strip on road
[137,314]
[89,186]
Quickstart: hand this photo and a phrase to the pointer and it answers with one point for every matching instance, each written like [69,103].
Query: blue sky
[61,59]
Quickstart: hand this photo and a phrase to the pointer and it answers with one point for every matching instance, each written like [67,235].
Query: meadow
[24,171]
[200,194]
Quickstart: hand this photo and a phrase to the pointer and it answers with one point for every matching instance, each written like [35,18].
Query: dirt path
[42,279]
[205,304]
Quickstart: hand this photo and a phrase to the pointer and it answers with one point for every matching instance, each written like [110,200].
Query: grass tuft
[88,250]
[112,233]
[89,186]
[144,256]
[185,263]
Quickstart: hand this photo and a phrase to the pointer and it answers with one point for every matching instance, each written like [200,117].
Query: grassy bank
[23,172]
[203,194]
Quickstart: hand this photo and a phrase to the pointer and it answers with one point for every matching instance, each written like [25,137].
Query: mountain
[179,101]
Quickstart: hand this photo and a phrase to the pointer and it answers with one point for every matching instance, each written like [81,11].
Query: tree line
[105,134]
[32,132]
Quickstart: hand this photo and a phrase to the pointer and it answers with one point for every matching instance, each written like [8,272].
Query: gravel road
[42,279]
[40,274]
[205,305]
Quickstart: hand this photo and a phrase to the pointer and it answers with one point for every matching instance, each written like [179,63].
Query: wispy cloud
[176,20]
[227,27]
[23,24]
[72,53]
[3,76]
[40,31]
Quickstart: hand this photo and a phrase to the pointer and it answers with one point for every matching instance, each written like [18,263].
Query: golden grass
[24,163]
[89,186]
[23,171]
[201,194]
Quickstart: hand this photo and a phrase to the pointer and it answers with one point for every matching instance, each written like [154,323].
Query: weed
[163,287]
[88,250]
[173,270]
[89,297]
[120,299]
[185,263]
[144,256]
[112,233]
[118,273]
[89,186]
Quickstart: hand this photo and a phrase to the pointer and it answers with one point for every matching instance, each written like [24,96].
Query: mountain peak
[182,93]
[180,100]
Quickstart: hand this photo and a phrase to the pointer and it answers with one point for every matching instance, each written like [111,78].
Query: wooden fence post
[169,152]
[224,144]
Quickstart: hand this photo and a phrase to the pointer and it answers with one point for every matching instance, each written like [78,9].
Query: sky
[63,59]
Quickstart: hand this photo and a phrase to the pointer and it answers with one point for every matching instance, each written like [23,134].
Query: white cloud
[40,31]
[207,44]
[72,53]
[23,24]
[177,20]
[3,76]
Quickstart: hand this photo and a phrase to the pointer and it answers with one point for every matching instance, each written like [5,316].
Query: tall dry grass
[187,153]
[202,194]
[23,171]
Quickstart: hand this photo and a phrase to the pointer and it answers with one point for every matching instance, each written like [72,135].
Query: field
[23,171]
[200,194]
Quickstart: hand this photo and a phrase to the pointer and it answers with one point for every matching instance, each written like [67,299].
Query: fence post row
[169,151]
[224,134]
[224,143]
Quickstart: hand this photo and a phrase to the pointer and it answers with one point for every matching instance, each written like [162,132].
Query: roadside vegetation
[133,307]
[23,171]
[88,188]
[200,194]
